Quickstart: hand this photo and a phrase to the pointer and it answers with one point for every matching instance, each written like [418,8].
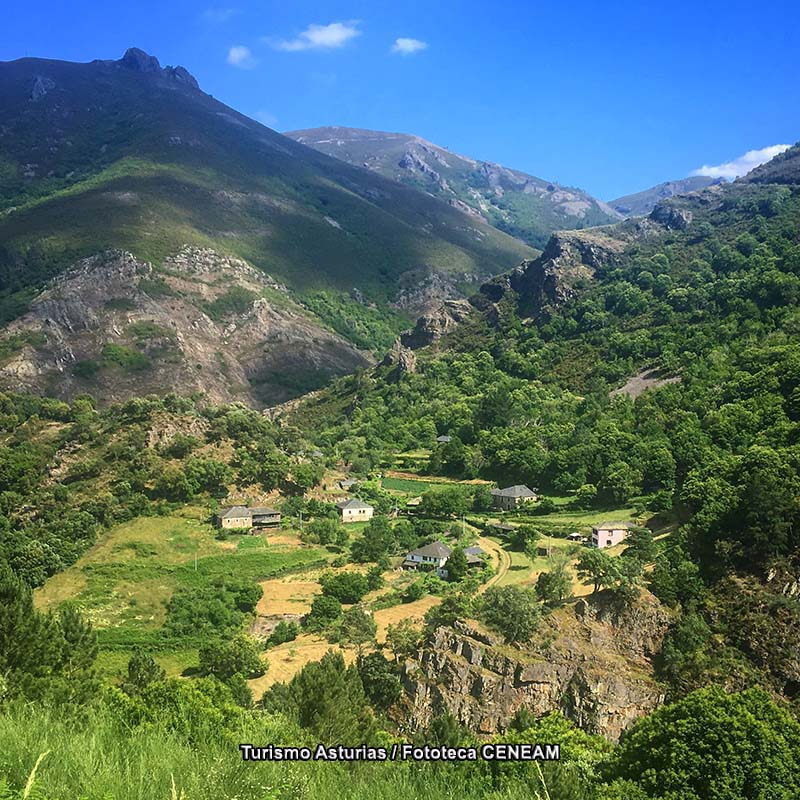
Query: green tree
[358,627]
[598,566]
[455,606]
[511,611]
[346,587]
[711,744]
[445,503]
[325,610]
[143,670]
[523,537]
[327,698]
[456,565]
[403,638]
[381,684]
[224,659]
[640,545]
[553,586]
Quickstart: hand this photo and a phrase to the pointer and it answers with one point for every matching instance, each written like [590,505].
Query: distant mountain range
[523,205]
[642,203]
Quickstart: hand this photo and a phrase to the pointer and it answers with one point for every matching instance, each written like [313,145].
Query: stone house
[355,510]
[608,534]
[238,517]
[509,498]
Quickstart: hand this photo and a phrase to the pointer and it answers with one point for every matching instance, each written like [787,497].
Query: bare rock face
[432,326]
[592,663]
[401,359]
[41,86]
[118,327]
[569,260]
[139,61]
[670,216]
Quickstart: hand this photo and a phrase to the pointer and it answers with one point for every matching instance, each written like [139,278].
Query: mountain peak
[138,60]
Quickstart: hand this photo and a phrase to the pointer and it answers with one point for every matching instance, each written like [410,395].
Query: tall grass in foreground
[46,757]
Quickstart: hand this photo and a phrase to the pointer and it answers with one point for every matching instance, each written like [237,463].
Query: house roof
[432,550]
[347,482]
[235,511]
[444,439]
[613,526]
[502,526]
[258,512]
[519,490]
[474,551]
[353,503]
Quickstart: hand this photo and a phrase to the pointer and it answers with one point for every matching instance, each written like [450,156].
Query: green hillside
[527,207]
[126,155]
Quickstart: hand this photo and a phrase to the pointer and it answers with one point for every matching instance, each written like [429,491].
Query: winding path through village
[503,561]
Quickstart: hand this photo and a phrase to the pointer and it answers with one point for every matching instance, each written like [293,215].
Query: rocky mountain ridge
[513,201]
[118,327]
[639,204]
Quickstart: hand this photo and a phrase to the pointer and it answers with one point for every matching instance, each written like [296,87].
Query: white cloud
[266,118]
[407,47]
[319,37]
[742,165]
[240,56]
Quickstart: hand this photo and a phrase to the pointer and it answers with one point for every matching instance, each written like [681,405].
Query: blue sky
[612,97]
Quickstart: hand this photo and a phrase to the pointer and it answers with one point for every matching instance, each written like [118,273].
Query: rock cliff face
[570,259]
[435,324]
[117,327]
[591,662]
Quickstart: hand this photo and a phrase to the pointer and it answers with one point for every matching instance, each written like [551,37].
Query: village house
[234,517]
[444,439]
[608,534]
[434,556]
[347,484]
[355,510]
[510,497]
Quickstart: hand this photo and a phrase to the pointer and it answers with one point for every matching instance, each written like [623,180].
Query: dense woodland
[525,398]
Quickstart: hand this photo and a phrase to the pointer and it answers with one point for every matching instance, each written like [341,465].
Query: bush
[346,587]
[223,659]
[284,632]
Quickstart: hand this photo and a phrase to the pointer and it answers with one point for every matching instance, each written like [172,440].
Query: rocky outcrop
[401,361]
[671,216]
[139,61]
[432,326]
[119,327]
[422,290]
[591,662]
[41,86]
[569,260]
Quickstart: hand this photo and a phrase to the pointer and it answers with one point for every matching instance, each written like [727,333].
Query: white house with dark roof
[434,557]
[355,510]
[608,534]
[510,497]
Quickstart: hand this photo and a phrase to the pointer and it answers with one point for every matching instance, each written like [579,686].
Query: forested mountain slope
[700,301]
